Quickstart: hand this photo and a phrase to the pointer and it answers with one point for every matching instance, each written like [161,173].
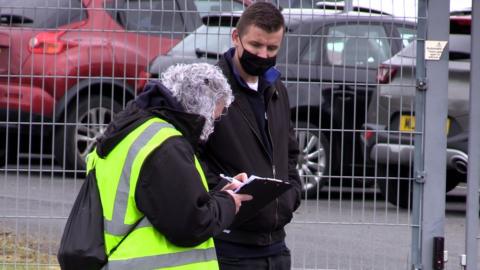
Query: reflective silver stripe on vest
[161,261]
[116,226]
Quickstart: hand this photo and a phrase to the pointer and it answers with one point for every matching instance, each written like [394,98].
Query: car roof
[341,5]
[316,14]
[222,18]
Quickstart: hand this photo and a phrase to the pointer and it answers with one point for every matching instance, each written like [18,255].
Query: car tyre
[313,161]
[83,126]
[453,179]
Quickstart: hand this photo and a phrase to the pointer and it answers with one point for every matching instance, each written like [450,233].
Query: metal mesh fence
[67,66]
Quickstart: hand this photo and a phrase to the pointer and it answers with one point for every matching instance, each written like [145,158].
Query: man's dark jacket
[169,190]
[237,145]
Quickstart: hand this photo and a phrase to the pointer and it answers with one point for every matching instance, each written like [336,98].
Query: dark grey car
[329,63]
[391,118]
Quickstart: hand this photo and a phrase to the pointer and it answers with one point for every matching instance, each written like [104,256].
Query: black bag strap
[131,230]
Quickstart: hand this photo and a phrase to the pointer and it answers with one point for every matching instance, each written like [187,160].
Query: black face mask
[255,65]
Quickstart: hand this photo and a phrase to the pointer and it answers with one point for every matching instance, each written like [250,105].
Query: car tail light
[46,43]
[368,135]
[460,25]
[50,42]
[385,73]
[461,20]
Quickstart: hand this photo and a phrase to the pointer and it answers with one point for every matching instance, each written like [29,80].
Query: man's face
[258,42]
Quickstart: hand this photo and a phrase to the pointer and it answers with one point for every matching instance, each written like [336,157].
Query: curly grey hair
[199,87]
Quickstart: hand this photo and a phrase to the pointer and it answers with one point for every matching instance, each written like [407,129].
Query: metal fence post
[435,141]
[471,230]
[416,249]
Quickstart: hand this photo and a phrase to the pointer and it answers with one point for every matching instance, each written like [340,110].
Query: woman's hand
[235,183]
[238,199]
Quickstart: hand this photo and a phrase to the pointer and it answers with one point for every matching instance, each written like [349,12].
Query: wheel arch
[311,114]
[107,87]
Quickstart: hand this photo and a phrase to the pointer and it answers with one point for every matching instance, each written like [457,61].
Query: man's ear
[235,37]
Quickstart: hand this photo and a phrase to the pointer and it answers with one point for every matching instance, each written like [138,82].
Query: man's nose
[262,52]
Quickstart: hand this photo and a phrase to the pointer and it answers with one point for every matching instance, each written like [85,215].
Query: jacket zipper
[271,161]
[273,164]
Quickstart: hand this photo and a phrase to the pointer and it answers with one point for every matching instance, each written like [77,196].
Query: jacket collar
[162,104]
[241,99]
[266,80]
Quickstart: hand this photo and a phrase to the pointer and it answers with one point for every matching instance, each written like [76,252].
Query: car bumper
[381,150]
[384,153]
[14,122]
[25,99]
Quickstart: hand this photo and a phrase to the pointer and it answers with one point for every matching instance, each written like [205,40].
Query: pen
[228,178]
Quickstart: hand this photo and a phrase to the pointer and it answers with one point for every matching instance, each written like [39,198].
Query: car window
[355,45]
[151,16]
[47,14]
[206,7]
[206,41]
[295,3]
[407,35]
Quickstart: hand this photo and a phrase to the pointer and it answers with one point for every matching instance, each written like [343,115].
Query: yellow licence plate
[407,123]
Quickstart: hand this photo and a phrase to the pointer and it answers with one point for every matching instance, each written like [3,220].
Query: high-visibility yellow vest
[117,175]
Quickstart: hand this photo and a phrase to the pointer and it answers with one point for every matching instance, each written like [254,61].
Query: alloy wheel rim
[91,126]
[312,159]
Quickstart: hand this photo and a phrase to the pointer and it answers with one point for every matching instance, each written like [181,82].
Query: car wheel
[313,163]
[86,121]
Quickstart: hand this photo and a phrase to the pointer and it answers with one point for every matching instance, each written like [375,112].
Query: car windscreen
[206,41]
[206,7]
[295,3]
[45,14]
[407,34]
[356,44]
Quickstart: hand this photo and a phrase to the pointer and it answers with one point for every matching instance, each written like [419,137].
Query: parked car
[389,136]
[67,66]
[329,64]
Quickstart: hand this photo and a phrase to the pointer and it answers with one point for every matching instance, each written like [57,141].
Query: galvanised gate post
[473,176]
[428,206]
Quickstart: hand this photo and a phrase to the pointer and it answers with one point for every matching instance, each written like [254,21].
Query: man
[256,137]
[157,210]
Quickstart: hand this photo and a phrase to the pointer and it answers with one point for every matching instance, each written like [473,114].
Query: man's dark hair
[263,15]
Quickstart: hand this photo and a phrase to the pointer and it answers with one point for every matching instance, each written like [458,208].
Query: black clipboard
[264,190]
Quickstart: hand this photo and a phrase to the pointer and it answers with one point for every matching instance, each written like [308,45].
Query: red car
[66,66]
